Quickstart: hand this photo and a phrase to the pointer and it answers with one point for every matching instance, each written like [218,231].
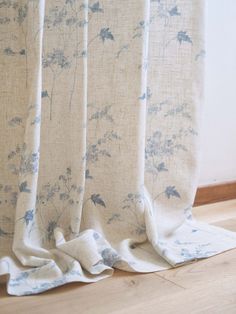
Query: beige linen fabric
[100,104]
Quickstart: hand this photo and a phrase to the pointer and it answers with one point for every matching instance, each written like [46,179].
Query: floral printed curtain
[100,104]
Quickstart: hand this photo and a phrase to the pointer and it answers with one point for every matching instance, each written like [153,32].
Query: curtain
[100,112]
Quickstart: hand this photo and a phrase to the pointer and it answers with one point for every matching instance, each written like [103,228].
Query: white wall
[218,160]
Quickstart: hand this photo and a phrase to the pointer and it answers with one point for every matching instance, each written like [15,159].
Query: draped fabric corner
[100,104]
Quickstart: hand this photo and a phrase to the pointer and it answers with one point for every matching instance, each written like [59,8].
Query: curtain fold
[100,111]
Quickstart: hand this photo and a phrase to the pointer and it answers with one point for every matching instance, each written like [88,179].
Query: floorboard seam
[174,283]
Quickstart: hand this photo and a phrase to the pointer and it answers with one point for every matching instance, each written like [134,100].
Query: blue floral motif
[183,37]
[15,121]
[5,20]
[96,236]
[17,280]
[44,94]
[87,174]
[56,58]
[174,11]
[28,216]
[22,13]
[110,257]
[58,197]
[147,95]
[57,62]
[138,33]
[96,199]
[8,195]
[28,161]
[201,54]
[18,16]
[179,110]
[50,229]
[105,34]
[114,217]
[23,187]
[131,204]
[36,120]
[95,151]
[5,233]
[8,51]
[199,252]
[171,191]
[102,114]
[95,7]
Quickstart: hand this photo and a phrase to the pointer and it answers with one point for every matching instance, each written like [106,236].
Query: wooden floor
[207,286]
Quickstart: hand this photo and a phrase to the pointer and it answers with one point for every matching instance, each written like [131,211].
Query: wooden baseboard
[215,193]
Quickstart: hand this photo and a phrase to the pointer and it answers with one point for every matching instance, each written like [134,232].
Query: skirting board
[215,193]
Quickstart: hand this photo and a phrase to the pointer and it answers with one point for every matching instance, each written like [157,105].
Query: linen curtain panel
[100,104]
